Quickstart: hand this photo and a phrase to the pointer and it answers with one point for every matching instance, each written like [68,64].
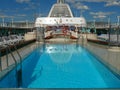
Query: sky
[27,10]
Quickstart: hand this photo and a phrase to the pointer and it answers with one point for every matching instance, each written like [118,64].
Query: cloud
[92,0]
[77,4]
[33,5]
[73,1]
[22,1]
[81,6]
[3,16]
[21,15]
[70,1]
[107,2]
[113,3]
[30,4]
[101,15]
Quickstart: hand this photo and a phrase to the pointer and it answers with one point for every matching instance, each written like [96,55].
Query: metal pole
[12,22]
[7,57]
[0,61]
[109,30]
[118,35]
[118,30]
[108,21]
[43,30]
[3,21]
[94,26]
[118,17]
[36,33]
[94,22]
[26,23]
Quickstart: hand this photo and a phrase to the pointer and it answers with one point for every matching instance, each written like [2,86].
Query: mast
[61,1]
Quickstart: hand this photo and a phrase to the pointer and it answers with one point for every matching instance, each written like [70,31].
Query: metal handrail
[18,72]
[12,55]
[19,76]
[7,48]
[17,52]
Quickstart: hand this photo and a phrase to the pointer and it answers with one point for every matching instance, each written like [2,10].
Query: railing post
[7,56]
[0,61]
[109,31]
[43,33]
[118,36]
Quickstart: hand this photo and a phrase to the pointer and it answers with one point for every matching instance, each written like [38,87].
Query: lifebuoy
[64,31]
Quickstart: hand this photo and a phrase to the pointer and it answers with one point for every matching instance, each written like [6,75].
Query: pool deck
[110,56]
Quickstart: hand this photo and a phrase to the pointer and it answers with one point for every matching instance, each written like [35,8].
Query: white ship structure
[60,22]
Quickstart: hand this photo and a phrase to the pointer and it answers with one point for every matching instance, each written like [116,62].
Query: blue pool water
[62,66]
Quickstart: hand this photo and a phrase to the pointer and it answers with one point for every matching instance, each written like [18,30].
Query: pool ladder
[18,71]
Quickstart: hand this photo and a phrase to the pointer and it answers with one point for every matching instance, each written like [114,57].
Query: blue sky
[21,10]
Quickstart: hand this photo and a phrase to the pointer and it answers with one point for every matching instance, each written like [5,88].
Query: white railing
[103,26]
[17,25]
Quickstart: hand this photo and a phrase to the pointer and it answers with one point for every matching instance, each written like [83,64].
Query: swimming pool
[62,66]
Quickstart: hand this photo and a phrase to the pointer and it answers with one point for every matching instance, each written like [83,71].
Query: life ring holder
[64,31]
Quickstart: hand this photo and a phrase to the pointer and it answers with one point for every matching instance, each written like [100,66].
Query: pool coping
[59,89]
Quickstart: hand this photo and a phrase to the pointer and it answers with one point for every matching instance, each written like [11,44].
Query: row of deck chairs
[103,37]
[11,40]
[114,39]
